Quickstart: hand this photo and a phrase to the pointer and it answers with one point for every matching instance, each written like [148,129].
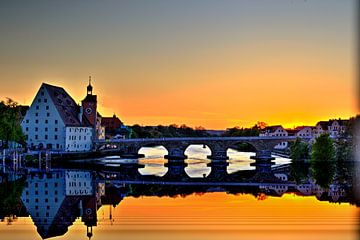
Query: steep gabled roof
[324,124]
[65,105]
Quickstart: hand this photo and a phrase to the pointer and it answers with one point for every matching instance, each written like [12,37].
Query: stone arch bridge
[176,146]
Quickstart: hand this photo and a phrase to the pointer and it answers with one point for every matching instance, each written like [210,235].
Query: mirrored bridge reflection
[55,199]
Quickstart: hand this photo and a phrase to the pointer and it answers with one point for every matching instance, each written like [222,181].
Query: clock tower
[89,105]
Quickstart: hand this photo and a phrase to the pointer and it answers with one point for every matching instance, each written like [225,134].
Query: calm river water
[153,198]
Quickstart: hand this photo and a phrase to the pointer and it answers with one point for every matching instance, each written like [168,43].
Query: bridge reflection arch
[198,151]
[153,151]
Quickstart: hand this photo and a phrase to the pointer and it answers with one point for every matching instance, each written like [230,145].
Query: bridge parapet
[176,146]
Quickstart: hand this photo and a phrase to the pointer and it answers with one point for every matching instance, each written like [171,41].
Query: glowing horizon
[205,63]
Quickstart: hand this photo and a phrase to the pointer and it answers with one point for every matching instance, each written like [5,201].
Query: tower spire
[89,87]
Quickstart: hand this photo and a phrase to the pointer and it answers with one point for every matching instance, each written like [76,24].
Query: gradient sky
[212,63]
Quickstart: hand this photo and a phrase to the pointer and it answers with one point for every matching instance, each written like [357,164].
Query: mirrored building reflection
[55,199]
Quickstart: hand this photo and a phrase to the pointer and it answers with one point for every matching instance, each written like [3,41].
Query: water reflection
[55,199]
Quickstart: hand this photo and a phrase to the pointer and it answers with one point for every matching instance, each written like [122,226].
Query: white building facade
[276,131]
[78,183]
[78,138]
[54,121]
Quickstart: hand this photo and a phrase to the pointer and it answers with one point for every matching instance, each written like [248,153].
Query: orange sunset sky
[215,64]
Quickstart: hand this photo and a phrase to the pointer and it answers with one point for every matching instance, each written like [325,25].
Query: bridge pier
[262,167]
[218,169]
[218,151]
[218,155]
[175,153]
[176,168]
[263,155]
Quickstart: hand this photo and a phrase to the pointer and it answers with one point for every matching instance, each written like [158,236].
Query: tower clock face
[88,110]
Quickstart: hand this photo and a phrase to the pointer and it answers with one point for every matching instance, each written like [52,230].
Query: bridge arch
[153,151]
[197,151]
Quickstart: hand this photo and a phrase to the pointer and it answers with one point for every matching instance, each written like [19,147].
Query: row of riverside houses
[54,120]
[334,127]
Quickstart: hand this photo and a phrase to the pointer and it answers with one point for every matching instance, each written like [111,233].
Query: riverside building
[54,120]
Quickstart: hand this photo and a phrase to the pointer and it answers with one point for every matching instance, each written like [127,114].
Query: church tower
[89,105]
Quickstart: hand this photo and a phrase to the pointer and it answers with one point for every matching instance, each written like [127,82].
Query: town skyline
[285,125]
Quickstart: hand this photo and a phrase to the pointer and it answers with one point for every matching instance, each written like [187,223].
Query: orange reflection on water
[222,216]
[211,216]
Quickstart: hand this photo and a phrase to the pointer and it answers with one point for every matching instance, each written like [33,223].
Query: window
[46,137]
[45,100]
[27,120]
[36,200]
[36,137]
[42,93]
[46,129]
[56,184]
[46,121]
[46,200]
[36,114]
[48,114]
[56,129]
[48,207]
[36,192]
[37,107]
[46,192]
[55,137]
[46,185]
[36,129]
[56,121]
[47,107]
[26,129]
[39,100]
[36,121]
